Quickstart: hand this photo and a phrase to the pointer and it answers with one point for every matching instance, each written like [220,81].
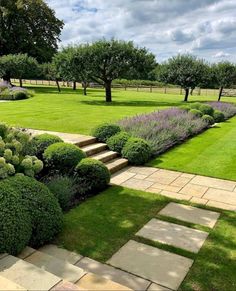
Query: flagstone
[27,251]
[166,187]
[176,195]
[113,274]
[155,287]
[221,205]
[199,200]
[187,175]
[137,184]
[142,170]
[173,234]
[214,183]
[140,176]
[163,177]
[8,285]
[194,190]
[181,181]
[191,214]
[151,263]
[223,196]
[121,177]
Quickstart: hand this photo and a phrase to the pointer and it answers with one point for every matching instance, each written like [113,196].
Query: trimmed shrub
[218,116]
[43,141]
[104,131]
[15,93]
[64,189]
[15,221]
[3,129]
[92,176]
[228,109]
[206,109]
[63,157]
[117,141]
[137,151]
[42,206]
[185,107]
[208,119]
[196,112]
[195,105]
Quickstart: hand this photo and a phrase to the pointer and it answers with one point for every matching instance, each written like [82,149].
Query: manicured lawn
[101,225]
[72,112]
[212,153]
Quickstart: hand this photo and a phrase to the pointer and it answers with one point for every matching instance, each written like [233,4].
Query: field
[72,112]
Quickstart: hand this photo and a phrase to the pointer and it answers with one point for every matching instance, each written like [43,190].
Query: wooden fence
[138,88]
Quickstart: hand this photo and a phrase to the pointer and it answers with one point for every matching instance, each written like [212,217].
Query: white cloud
[204,27]
[221,54]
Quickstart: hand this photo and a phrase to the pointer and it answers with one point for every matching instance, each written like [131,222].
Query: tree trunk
[186,94]
[21,85]
[220,93]
[74,85]
[85,86]
[7,79]
[191,92]
[108,91]
[58,86]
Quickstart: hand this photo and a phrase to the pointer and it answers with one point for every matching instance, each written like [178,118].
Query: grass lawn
[72,112]
[212,153]
[101,225]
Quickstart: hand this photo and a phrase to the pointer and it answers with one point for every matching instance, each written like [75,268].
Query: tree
[225,75]
[29,26]
[184,70]
[18,66]
[115,59]
[48,71]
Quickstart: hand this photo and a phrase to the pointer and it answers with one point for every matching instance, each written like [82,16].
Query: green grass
[101,225]
[212,153]
[72,112]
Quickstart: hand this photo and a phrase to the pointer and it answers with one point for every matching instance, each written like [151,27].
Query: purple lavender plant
[229,109]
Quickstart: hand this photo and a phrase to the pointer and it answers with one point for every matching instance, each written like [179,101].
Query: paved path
[199,189]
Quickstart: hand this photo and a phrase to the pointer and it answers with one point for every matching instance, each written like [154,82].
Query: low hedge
[92,176]
[43,208]
[63,157]
[15,221]
[206,109]
[118,141]
[43,141]
[218,116]
[196,112]
[209,119]
[104,131]
[137,151]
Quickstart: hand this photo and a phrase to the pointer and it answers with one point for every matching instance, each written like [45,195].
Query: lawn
[72,112]
[101,225]
[212,153]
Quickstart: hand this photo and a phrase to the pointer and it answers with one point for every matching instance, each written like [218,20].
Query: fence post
[137,88]
[165,90]
[151,89]
[199,91]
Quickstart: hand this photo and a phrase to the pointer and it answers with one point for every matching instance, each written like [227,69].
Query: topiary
[137,151]
[63,157]
[3,129]
[42,141]
[104,131]
[196,112]
[218,116]
[195,105]
[185,107]
[63,188]
[92,176]
[42,206]
[206,109]
[117,141]
[208,119]
[15,221]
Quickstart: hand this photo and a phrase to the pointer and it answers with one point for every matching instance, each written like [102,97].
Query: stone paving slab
[27,251]
[56,266]
[173,234]
[26,275]
[94,282]
[138,184]
[113,274]
[194,190]
[221,196]
[175,195]
[8,285]
[199,200]
[120,177]
[3,255]
[191,214]
[214,183]
[142,170]
[163,177]
[221,205]
[155,287]
[151,263]
[62,254]
[66,286]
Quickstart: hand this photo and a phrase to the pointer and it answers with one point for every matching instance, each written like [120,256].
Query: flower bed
[228,109]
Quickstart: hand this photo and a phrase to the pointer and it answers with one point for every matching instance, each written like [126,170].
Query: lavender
[164,129]
[229,109]
[15,88]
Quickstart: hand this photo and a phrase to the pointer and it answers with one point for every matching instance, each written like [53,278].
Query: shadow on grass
[135,103]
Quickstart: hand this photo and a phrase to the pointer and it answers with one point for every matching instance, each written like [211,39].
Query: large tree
[184,70]
[19,66]
[29,26]
[225,76]
[113,59]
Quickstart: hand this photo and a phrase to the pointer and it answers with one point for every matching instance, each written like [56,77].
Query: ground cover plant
[212,153]
[101,225]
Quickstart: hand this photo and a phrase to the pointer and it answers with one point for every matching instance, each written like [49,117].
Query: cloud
[204,27]
[221,55]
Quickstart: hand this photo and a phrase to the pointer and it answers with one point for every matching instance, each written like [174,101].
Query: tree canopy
[29,26]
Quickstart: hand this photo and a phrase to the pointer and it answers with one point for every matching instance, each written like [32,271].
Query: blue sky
[206,28]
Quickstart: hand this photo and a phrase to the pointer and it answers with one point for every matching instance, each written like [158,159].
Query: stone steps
[105,156]
[94,148]
[116,165]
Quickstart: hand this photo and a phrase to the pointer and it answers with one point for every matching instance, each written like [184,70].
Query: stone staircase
[52,268]
[92,149]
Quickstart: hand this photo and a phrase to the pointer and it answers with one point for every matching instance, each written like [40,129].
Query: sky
[205,28]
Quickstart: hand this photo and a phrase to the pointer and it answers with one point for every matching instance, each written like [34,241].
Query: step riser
[106,159]
[86,142]
[92,152]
